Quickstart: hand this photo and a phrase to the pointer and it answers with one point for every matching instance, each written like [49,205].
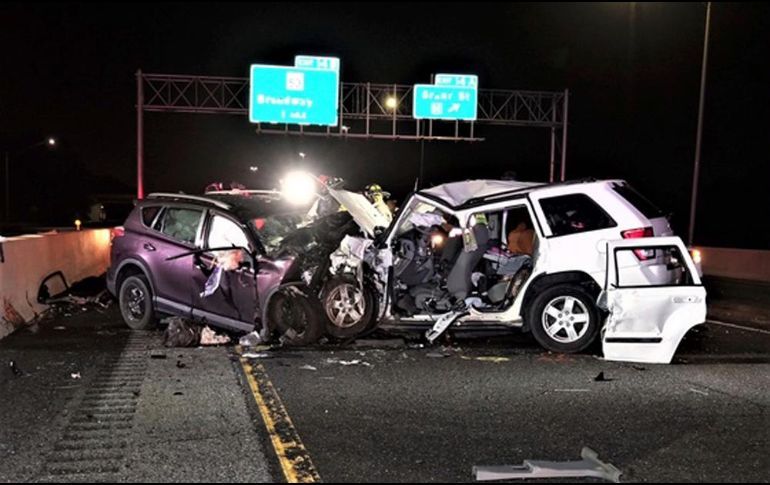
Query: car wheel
[295,318]
[564,318]
[135,299]
[350,310]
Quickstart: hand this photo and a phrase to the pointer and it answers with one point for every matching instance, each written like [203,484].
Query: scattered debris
[493,359]
[15,368]
[601,378]
[589,467]
[181,333]
[308,367]
[210,337]
[75,375]
[257,355]
[349,362]
[436,355]
[250,340]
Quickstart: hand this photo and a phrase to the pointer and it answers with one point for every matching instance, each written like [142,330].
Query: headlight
[298,188]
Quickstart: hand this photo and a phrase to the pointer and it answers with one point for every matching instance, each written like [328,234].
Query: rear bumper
[112,281]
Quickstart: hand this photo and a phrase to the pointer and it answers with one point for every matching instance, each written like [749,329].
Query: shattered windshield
[272,230]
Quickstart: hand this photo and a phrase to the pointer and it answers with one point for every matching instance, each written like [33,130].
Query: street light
[391,102]
[50,142]
[698,134]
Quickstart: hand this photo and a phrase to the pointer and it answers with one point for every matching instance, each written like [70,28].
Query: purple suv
[215,259]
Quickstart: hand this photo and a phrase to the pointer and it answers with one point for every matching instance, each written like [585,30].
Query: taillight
[641,254]
[697,257]
[119,231]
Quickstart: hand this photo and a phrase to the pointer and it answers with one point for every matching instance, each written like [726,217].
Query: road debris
[487,358]
[210,337]
[308,367]
[180,364]
[257,355]
[349,362]
[181,333]
[75,375]
[436,355]
[698,391]
[571,390]
[602,378]
[157,355]
[250,340]
[589,467]
[15,368]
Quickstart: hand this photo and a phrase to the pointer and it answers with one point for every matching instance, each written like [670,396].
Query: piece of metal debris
[589,467]
[349,362]
[257,355]
[75,375]
[436,355]
[250,340]
[602,378]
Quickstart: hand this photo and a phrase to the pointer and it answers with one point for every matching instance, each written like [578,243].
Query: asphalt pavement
[89,400]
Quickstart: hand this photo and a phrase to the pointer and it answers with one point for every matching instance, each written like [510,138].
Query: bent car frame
[569,262]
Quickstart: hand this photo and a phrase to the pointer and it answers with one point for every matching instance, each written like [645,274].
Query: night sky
[633,71]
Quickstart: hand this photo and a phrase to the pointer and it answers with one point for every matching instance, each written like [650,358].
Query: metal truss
[365,102]
[363,111]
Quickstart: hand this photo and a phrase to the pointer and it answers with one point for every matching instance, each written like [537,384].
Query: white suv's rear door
[647,322]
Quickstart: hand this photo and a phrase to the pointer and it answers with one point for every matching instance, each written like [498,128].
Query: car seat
[459,279]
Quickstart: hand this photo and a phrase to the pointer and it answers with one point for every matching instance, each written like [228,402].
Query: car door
[224,281]
[175,231]
[646,322]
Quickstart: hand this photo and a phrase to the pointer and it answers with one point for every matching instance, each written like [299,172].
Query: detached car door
[646,322]
[224,282]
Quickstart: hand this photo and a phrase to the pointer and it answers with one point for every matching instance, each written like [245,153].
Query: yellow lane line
[294,459]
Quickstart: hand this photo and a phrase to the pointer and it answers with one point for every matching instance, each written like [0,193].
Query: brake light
[119,231]
[641,254]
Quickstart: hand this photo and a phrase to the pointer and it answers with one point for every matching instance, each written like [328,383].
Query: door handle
[148,247]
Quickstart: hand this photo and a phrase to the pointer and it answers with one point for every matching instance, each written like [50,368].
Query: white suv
[564,261]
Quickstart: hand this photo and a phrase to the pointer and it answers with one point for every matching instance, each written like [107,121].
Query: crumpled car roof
[458,193]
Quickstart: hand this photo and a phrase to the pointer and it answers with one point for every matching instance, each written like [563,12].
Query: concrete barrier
[741,264]
[27,260]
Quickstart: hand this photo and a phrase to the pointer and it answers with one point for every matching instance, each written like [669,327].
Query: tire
[295,318]
[349,309]
[559,329]
[135,300]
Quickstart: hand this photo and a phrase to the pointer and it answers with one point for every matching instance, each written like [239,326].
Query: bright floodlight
[391,102]
[51,141]
[298,188]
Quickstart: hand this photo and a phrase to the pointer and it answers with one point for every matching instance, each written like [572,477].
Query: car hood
[362,211]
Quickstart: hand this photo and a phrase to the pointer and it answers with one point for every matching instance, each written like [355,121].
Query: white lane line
[740,327]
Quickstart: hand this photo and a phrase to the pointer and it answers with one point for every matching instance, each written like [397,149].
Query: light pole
[50,142]
[698,135]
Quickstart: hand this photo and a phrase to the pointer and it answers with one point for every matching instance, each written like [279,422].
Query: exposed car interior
[439,264]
